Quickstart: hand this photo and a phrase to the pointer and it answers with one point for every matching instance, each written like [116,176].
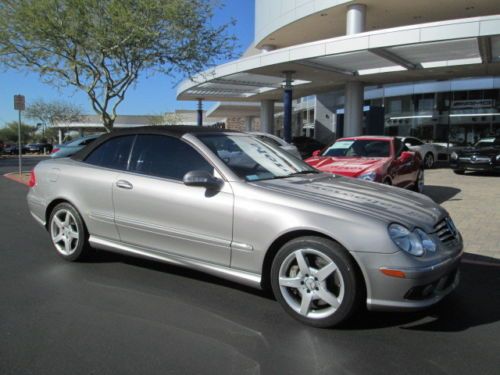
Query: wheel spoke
[67,218]
[326,271]
[58,222]
[305,303]
[73,234]
[67,245]
[301,261]
[290,282]
[328,297]
[59,237]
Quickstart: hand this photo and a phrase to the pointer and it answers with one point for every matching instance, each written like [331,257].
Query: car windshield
[359,148]
[252,159]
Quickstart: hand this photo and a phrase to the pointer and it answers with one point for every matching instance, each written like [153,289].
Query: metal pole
[287,106]
[199,121]
[19,145]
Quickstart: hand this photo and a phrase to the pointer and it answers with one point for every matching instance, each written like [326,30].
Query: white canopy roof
[441,50]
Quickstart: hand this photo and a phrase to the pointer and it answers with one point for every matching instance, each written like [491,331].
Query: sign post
[19,105]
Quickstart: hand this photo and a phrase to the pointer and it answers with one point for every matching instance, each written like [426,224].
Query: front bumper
[482,164]
[422,286]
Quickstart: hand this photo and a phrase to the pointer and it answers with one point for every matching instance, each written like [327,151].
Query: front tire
[68,233]
[316,281]
[429,160]
[418,186]
[459,171]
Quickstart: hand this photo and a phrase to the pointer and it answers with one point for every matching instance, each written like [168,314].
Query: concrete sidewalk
[473,201]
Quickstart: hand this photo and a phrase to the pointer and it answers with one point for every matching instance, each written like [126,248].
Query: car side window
[167,157]
[112,154]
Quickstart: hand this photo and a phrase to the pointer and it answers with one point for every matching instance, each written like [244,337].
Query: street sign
[19,102]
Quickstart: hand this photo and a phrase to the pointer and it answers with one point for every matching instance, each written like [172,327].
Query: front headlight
[454,156]
[498,157]
[415,243]
[370,176]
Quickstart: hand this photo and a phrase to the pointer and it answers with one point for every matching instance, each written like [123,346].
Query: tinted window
[113,153]
[162,156]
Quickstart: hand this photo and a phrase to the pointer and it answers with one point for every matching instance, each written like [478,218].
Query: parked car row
[483,156]
[241,207]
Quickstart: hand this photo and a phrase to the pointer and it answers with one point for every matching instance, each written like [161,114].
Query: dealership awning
[442,50]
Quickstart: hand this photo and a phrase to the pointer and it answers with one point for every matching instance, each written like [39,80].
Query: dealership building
[333,68]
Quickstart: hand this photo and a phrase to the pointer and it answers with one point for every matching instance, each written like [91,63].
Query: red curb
[13,176]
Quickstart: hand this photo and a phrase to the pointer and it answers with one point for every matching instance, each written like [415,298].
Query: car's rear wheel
[418,186]
[429,160]
[316,281]
[67,232]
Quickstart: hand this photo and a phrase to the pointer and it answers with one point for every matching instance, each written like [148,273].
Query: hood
[386,203]
[483,151]
[351,167]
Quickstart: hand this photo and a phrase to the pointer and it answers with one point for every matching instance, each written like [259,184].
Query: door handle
[124,184]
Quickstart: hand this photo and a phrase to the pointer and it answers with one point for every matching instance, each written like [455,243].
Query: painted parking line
[14,176]
[482,263]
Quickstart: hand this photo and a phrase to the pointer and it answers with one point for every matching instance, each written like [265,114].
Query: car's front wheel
[68,232]
[429,160]
[316,281]
[418,186]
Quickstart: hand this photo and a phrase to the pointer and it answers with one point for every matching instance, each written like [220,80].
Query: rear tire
[68,233]
[316,281]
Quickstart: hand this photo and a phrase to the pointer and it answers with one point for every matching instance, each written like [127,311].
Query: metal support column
[287,106]
[354,91]
[267,116]
[199,121]
[248,123]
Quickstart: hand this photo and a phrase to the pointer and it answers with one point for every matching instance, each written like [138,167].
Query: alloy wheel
[64,232]
[311,283]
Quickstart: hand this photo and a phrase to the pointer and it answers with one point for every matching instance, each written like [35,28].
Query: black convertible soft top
[171,130]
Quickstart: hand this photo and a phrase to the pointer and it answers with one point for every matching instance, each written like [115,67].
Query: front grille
[445,230]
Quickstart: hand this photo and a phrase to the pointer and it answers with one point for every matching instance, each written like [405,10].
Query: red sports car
[372,158]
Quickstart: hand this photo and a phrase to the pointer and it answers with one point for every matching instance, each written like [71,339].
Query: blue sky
[151,95]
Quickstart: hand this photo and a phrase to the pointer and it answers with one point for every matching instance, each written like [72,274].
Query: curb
[13,176]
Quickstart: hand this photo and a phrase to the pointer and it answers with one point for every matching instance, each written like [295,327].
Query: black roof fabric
[171,130]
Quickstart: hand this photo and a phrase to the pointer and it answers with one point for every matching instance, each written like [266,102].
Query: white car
[428,151]
[277,141]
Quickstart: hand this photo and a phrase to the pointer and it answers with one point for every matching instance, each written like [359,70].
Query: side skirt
[247,278]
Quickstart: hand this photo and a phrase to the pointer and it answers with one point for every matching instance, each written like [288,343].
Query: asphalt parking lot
[119,315]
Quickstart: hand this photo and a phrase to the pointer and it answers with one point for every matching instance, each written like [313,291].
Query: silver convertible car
[234,206]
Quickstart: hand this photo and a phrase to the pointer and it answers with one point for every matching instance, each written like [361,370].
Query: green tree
[53,113]
[102,46]
[9,133]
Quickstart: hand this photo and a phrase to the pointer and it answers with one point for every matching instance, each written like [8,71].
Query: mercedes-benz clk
[231,205]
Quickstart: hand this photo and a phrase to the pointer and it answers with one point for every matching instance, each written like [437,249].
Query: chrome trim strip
[241,246]
[102,217]
[250,279]
[171,232]
[40,221]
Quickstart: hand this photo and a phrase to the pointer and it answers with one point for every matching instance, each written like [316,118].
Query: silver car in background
[231,205]
[72,147]
[277,141]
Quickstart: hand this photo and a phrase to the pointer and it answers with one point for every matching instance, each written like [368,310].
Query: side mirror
[406,156]
[203,179]
[316,153]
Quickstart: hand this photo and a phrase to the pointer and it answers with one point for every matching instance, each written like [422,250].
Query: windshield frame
[229,173]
